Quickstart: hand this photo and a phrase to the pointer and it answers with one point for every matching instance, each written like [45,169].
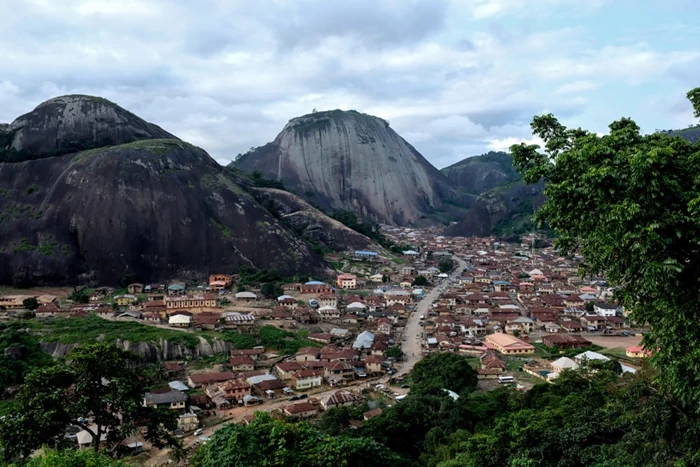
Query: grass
[82,330]
[552,353]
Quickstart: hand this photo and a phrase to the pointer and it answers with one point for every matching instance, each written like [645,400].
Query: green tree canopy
[98,390]
[267,442]
[446,264]
[420,281]
[440,371]
[271,290]
[30,303]
[72,458]
[630,203]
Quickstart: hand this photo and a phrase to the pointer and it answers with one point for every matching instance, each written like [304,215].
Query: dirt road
[412,346]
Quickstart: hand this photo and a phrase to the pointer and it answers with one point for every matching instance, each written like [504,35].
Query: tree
[128,278]
[589,307]
[446,265]
[271,290]
[630,204]
[385,278]
[73,458]
[269,442]
[420,281]
[21,280]
[30,303]
[394,352]
[440,371]
[79,296]
[337,420]
[98,390]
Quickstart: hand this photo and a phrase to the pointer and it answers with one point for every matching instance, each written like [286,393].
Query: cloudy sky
[455,78]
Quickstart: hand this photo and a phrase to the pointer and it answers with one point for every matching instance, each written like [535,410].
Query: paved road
[412,346]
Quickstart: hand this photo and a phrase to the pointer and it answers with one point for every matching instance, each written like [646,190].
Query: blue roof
[363,252]
[314,283]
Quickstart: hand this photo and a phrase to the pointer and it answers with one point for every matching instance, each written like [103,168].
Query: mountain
[349,160]
[67,124]
[310,223]
[158,208]
[691,134]
[478,174]
[502,210]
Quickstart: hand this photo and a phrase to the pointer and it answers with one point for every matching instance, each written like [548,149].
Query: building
[205,379]
[177,288]
[134,288]
[606,309]
[184,302]
[234,390]
[180,319]
[125,300]
[172,400]
[285,370]
[300,410]
[365,255]
[246,296]
[220,281]
[341,399]
[346,281]
[508,345]
[242,363]
[566,341]
[315,287]
[307,379]
[373,363]
[308,354]
[637,351]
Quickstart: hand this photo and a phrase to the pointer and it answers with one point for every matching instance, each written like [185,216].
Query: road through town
[412,345]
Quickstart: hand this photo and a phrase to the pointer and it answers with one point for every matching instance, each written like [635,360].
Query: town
[517,311]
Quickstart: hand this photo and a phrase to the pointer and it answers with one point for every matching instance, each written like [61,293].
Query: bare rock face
[159,208]
[73,123]
[310,223]
[348,160]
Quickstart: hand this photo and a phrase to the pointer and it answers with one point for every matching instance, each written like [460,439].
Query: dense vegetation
[630,203]
[99,383]
[368,229]
[20,354]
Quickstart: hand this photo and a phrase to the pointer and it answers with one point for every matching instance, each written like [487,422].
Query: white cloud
[575,87]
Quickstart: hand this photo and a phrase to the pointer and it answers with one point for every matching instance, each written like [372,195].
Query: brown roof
[289,366]
[241,360]
[213,377]
[300,407]
[306,374]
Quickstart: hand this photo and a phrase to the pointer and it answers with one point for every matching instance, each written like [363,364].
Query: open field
[615,341]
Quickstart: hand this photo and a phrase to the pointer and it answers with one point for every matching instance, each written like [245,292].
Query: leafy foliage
[13,369]
[30,303]
[262,182]
[267,442]
[271,290]
[440,371]
[420,281]
[630,203]
[72,458]
[98,384]
[446,264]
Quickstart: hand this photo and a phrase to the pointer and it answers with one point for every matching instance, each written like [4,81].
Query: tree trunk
[96,439]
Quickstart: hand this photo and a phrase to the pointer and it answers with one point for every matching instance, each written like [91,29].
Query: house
[135,288]
[174,369]
[125,300]
[566,341]
[606,309]
[255,353]
[384,326]
[397,296]
[364,340]
[328,313]
[363,255]
[47,309]
[300,410]
[306,354]
[187,422]
[288,302]
[315,287]
[172,400]
[377,278]
[177,288]
[346,281]
[242,363]
[306,379]
[593,322]
[206,320]
[84,438]
[220,281]
[180,319]
[240,321]
[328,300]
[637,351]
[246,296]
[285,370]
[204,379]
[321,338]
[184,302]
[340,399]
[589,355]
[373,363]
[372,413]
[338,369]
[521,324]
[563,363]
[508,345]
[232,390]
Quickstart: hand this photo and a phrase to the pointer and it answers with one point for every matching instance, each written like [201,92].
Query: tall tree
[98,390]
[630,203]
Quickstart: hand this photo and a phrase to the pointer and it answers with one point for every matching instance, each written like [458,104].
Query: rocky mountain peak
[73,123]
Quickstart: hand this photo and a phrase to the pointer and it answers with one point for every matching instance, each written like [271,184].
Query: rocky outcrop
[151,352]
[503,210]
[73,123]
[159,208]
[310,223]
[348,160]
[479,174]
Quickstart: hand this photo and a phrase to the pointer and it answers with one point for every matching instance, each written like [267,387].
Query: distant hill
[478,174]
[347,160]
[691,134]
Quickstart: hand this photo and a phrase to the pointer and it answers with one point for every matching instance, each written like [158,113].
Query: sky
[455,78]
